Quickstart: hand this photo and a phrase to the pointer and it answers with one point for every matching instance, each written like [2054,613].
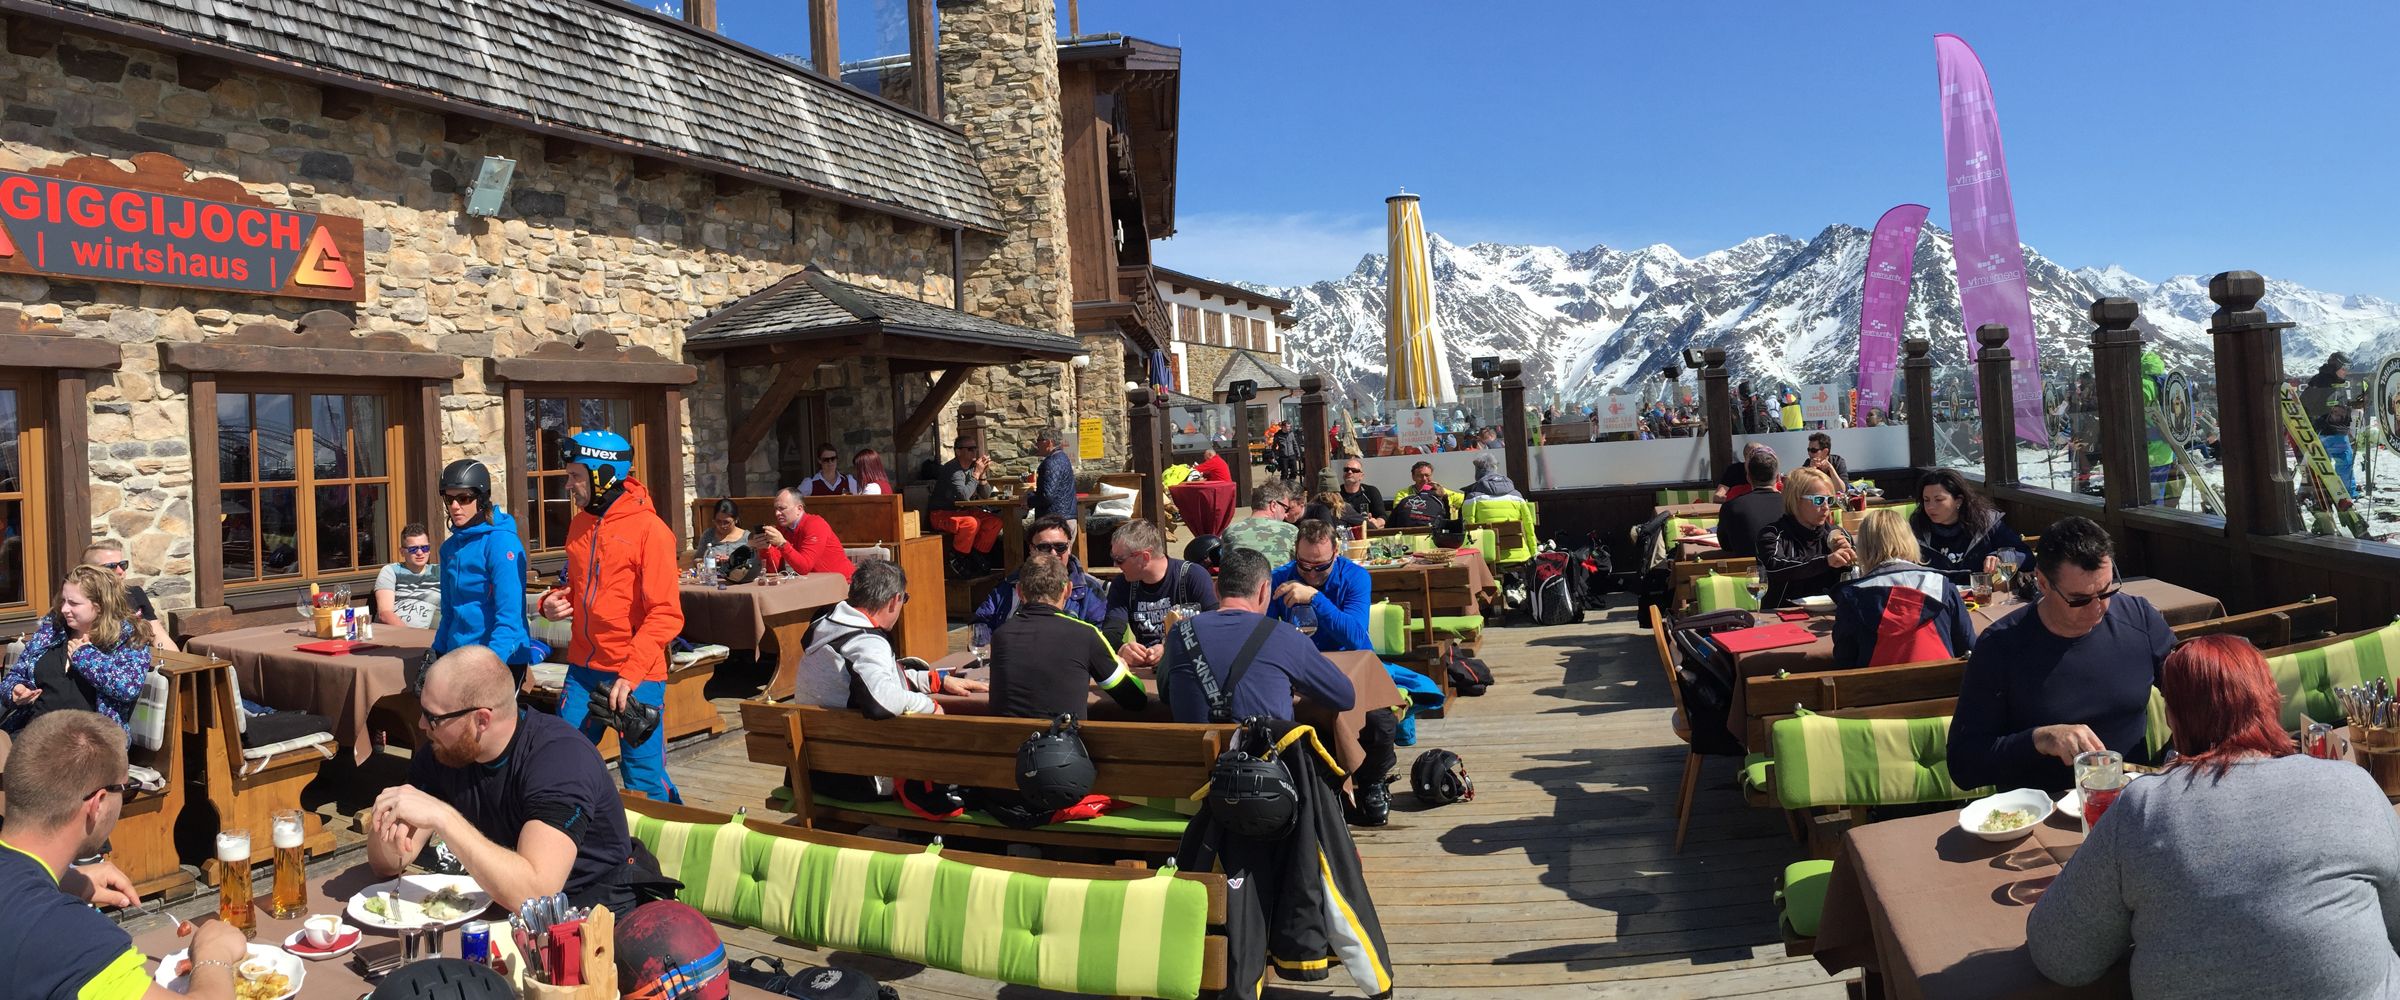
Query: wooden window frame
[396,480]
[644,409]
[1188,325]
[924,51]
[35,446]
[1216,328]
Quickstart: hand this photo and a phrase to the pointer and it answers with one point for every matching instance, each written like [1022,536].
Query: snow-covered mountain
[1785,311]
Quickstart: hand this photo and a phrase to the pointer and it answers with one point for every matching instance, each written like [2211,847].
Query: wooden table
[1481,584]
[347,690]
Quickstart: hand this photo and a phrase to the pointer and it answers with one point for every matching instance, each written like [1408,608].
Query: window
[1216,328]
[305,483]
[1187,324]
[24,580]
[544,511]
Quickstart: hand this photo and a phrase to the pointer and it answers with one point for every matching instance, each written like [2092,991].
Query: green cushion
[2156,734]
[1452,625]
[1139,937]
[1670,498]
[1716,592]
[1801,896]
[2307,678]
[1757,770]
[1502,512]
[1134,821]
[1822,761]
[1387,626]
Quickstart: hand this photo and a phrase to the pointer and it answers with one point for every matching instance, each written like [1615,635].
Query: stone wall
[582,245]
[999,64]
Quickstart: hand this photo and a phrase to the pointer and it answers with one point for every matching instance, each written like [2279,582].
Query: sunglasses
[1823,500]
[1054,548]
[416,550]
[1312,567]
[2081,602]
[456,500]
[1814,450]
[431,720]
[120,565]
[1354,472]
[829,458]
[121,788]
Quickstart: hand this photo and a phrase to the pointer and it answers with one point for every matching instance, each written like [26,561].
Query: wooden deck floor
[1560,879]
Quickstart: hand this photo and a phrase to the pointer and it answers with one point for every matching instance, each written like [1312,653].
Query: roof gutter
[153,37]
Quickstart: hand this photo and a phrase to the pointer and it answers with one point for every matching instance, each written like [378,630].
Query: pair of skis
[2322,482]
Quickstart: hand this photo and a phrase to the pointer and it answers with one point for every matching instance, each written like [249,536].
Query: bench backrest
[1133,759]
[856,520]
[1051,925]
[2306,675]
[1822,760]
[1859,688]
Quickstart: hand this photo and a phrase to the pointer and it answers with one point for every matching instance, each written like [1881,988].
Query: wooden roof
[814,307]
[1149,94]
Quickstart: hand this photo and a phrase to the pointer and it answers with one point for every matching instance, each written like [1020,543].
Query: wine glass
[306,605]
[979,642]
[1758,585]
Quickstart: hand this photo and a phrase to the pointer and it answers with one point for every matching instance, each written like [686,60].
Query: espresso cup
[320,931]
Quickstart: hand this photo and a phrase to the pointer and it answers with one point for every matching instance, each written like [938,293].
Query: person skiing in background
[2166,481]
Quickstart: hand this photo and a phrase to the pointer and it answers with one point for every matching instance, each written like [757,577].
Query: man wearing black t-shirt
[110,556]
[1152,583]
[1741,519]
[1362,503]
[520,797]
[1045,661]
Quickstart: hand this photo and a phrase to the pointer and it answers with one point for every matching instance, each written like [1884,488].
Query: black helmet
[1440,778]
[1053,769]
[1203,550]
[1253,795]
[470,475]
[443,979]
[932,801]
[741,565]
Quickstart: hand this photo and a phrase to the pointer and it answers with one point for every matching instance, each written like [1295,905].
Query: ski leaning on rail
[2322,483]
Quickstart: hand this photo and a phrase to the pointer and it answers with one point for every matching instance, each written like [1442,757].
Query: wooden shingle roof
[813,305]
[600,67]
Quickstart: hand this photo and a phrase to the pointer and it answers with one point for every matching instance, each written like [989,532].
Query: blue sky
[2169,138]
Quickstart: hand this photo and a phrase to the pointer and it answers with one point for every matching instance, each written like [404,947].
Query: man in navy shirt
[2070,674]
[520,797]
[1286,661]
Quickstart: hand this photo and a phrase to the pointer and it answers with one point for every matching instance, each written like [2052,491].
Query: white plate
[1820,602]
[285,962]
[299,941]
[2032,800]
[412,890]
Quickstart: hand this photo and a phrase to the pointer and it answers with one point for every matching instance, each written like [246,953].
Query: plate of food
[2006,816]
[268,973]
[413,901]
[1435,557]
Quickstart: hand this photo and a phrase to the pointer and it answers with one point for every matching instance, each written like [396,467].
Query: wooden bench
[1412,591]
[143,844]
[882,520]
[2269,628]
[1826,692]
[245,793]
[1214,944]
[1134,760]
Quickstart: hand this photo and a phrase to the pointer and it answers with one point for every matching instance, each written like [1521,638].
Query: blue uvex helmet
[607,455]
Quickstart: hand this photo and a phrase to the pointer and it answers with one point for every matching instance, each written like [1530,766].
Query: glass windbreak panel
[233,439]
[2180,410]
[875,54]
[1957,419]
[2375,438]
[2349,408]
[277,461]
[238,533]
[367,431]
[279,529]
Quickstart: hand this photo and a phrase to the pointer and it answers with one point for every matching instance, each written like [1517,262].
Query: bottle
[290,898]
[233,881]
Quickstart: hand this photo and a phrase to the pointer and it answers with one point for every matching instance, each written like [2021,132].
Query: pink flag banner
[1983,226]
[1883,305]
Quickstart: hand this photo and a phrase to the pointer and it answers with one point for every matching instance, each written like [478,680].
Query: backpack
[1553,595]
[1468,675]
[1420,508]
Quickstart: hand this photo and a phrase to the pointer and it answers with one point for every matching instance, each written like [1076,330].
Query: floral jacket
[116,675]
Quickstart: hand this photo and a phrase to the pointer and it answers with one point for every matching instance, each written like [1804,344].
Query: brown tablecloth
[737,616]
[1937,912]
[2177,604]
[1480,581]
[343,689]
[1206,507]
[332,978]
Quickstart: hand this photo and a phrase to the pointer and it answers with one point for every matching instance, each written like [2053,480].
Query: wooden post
[701,14]
[1512,422]
[825,38]
[1717,403]
[1916,372]
[1313,441]
[970,426]
[2117,382]
[1141,439]
[1999,405]
[2249,351]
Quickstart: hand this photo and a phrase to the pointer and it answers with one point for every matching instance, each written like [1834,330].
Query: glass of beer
[233,878]
[290,898]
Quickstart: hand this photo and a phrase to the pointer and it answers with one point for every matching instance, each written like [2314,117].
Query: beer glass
[290,898]
[233,878]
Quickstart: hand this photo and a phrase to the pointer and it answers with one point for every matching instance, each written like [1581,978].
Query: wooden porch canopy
[811,318]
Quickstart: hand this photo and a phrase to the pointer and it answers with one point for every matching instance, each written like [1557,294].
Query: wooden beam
[939,396]
[667,443]
[201,72]
[70,470]
[924,60]
[273,360]
[701,14]
[512,471]
[208,548]
[825,38]
[418,484]
[789,377]
[35,351]
[735,480]
[341,104]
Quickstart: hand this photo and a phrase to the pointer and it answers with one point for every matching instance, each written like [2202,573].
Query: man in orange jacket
[619,587]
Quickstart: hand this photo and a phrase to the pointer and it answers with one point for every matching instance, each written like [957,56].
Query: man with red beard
[519,797]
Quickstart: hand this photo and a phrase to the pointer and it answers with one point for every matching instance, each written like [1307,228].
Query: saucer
[345,938]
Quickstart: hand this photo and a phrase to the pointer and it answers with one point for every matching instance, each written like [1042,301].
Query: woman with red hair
[2245,870]
[867,468]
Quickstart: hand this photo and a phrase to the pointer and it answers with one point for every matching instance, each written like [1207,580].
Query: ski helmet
[1440,778]
[667,950]
[443,979]
[469,475]
[606,455]
[1053,769]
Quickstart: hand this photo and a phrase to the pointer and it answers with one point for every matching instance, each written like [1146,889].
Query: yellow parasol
[1420,373]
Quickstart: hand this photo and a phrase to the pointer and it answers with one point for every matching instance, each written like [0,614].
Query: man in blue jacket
[1326,595]
[483,572]
[1087,598]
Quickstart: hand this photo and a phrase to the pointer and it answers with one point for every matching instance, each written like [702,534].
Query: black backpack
[1420,508]
[1468,675]
[1554,599]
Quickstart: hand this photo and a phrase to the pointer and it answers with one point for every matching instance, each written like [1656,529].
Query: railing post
[1313,444]
[1916,373]
[2117,384]
[1717,398]
[1512,422]
[1999,402]
[2249,355]
[970,425]
[1141,439]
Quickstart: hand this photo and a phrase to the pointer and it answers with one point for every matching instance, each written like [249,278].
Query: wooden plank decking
[1560,879]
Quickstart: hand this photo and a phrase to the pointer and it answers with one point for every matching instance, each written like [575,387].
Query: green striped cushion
[1387,627]
[1716,592]
[1758,770]
[2307,678]
[1142,937]
[2156,735]
[1670,498]
[1822,761]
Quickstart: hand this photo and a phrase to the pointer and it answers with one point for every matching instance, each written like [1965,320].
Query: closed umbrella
[1420,373]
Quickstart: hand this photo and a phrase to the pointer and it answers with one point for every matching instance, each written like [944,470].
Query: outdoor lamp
[1693,359]
[491,184]
[1485,368]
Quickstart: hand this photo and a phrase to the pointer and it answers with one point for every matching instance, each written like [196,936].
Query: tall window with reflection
[543,514]
[876,57]
[305,483]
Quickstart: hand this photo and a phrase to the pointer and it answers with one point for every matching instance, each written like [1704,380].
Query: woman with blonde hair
[1899,611]
[1805,552]
[88,653]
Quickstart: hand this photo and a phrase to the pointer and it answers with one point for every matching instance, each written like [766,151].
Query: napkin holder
[599,963]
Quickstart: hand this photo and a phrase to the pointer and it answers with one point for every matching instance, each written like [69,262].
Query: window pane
[233,438]
[9,430]
[279,529]
[374,526]
[545,424]
[276,463]
[874,47]
[12,551]
[367,428]
[333,528]
[557,510]
[329,436]
[236,534]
